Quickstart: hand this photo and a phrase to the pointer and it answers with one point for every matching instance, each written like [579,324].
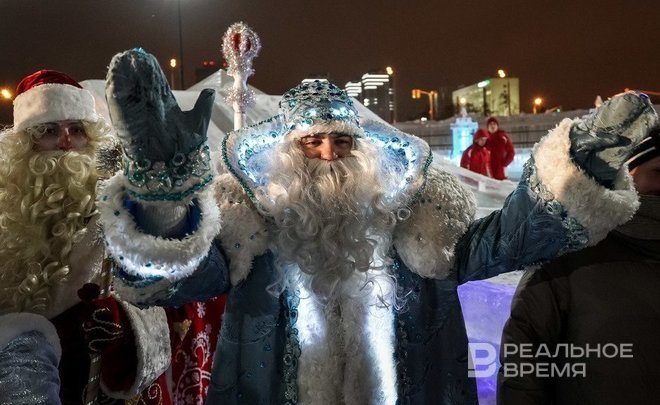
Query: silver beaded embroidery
[292,351]
[317,102]
[173,180]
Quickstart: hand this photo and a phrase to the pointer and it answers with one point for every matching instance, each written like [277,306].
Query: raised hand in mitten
[104,321]
[166,156]
[602,141]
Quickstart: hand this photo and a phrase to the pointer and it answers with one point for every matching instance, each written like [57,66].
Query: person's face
[481,141]
[647,177]
[492,127]
[326,146]
[62,135]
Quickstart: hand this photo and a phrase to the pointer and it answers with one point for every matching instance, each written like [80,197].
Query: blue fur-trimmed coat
[263,354]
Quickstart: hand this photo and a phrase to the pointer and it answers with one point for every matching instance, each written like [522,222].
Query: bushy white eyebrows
[320,134]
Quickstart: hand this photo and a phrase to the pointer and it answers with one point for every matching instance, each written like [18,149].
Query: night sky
[567,51]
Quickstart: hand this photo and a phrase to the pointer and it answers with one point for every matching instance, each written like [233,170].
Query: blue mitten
[602,141]
[165,153]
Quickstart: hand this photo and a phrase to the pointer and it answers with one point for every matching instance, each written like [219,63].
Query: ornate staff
[91,391]
[240,45]
[108,163]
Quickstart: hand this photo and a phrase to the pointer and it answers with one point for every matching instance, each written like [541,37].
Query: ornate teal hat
[318,102]
[322,107]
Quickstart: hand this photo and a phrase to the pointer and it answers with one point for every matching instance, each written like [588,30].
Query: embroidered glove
[165,153]
[104,321]
[602,141]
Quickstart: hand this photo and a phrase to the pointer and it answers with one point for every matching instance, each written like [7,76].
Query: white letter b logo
[481,362]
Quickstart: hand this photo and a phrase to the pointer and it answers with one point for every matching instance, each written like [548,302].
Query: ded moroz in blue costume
[341,275]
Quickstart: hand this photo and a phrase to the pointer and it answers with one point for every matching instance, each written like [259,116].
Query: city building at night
[496,96]
[354,89]
[375,92]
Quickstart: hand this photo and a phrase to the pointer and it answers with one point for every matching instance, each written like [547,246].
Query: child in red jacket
[477,157]
[501,149]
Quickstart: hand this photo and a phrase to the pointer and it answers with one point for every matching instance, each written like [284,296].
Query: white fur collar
[426,240]
[244,232]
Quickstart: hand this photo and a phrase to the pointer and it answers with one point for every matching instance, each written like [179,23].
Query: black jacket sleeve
[532,331]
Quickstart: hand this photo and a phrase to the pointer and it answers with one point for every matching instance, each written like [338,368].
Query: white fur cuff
[149,256]
[14,324]
[153,348]
[595,207]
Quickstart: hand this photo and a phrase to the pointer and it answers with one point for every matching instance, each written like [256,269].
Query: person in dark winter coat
[477,156]
[603,298]
[501,149]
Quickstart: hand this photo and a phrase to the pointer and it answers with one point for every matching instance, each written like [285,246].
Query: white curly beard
[332,223]
[46,199]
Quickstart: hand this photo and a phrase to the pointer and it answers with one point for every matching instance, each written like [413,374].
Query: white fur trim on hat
[53,102]
[330,127]
[16,323]
[595,207]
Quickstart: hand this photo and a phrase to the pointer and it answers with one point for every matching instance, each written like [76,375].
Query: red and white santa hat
[50,96]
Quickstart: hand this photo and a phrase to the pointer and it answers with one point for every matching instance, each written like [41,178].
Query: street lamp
[173,66]
[433,98]
[501,73]
[6,94]
[390,73]
[538,101]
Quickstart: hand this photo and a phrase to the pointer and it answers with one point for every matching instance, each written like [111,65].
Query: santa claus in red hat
[50,249]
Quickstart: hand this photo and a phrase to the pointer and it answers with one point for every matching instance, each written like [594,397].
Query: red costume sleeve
[510,151]
[489,173]
[465,158]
